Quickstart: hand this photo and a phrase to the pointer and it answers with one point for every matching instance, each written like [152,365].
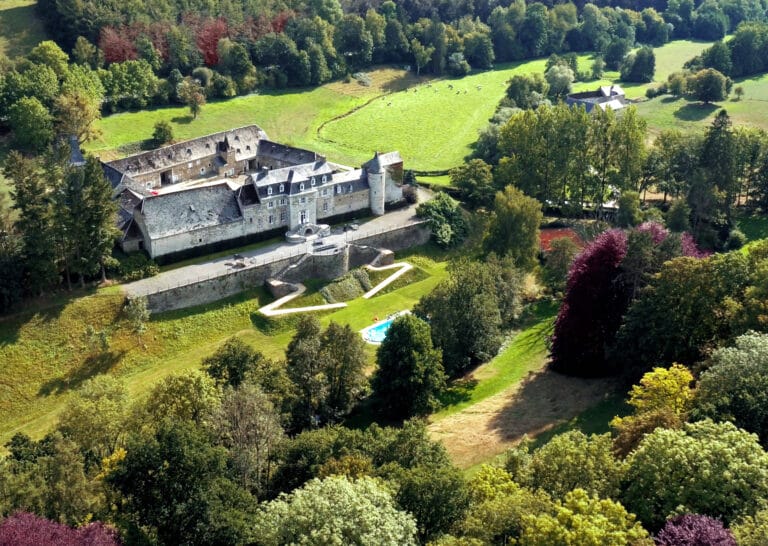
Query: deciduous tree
[514,227]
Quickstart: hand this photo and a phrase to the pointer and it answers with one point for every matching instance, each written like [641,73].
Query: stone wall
[399,238]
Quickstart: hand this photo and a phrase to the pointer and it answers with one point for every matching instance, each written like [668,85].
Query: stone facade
[237,184]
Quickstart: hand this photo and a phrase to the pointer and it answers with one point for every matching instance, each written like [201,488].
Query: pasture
[20,29]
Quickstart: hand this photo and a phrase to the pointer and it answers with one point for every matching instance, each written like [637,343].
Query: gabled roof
[244,139]
[187,210]
[287,154]
[379,161]
[291,178]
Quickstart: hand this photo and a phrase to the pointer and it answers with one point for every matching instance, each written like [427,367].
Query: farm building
[607,96]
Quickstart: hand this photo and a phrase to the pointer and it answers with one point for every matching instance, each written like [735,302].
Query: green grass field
[526,352]
[45,354]
[20,29]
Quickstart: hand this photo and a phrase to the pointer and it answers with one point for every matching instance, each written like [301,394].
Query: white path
[273,309]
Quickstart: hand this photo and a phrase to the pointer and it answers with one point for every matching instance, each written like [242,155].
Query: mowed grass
[45,355]
[20,29]
[526,352]
[288,116]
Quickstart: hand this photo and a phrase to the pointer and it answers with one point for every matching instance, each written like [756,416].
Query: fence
[156,285]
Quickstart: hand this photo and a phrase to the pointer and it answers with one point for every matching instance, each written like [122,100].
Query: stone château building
[237,186]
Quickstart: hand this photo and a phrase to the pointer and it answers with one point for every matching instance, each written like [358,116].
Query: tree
[639,66]
[751,530]
[694,529]
[25,529]
[559,78]
[662,398]
[410,370]
[498,506]
[733,387]
[475,181]
[137,313]
[598,67]
[421,54]
[305,369]
[739,92]
[527,90]
[232,362]
[582,519]
[48,53]
[629,214]
[708,85]
[436,497]
[95,418]
[718,56]
[75,115]
[458,65]
[32,124]
[353,41]
[99,220]
[557,263]
[163,133]
[706,468]
[467,311]
[335,511]
[570,460]
[35,221]
[87,54]
[343,351]
[514,227]
[174,482]
[192,94]
[190,396]
[678,216]
[445,219]
[248,425]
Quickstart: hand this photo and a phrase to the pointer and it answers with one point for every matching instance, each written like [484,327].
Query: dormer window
[338,189]
[325,178]
[207,145]
[282,188]
[312,180]
[269,190]
[237,138]
[238,150]
[350,188]
[189,151]
[301,187]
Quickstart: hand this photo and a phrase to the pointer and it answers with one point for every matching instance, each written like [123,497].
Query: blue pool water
[376,334]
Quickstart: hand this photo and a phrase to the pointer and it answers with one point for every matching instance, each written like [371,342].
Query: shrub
[736,240]
[137,266]
[163,133]
[363,78]
[352,285]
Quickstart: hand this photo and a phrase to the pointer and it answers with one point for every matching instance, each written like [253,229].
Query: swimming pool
[377,332]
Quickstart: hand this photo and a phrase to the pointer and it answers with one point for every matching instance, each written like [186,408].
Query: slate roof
[607,96]
[188,210]
[291,179]
[246,139]
[288,154]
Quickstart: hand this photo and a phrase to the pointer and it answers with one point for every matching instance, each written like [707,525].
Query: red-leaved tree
[207,36]
[116,45]
[25,529]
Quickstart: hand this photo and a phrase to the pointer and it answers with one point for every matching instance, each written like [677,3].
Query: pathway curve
[273,309]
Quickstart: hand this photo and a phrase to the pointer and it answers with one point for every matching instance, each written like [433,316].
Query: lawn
[526,352]
[20,29]
[45,354]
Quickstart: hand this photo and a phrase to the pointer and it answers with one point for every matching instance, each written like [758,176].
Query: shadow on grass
[670,98]
[182,120]
[459,391]
[549,403]
[695,111]
[93,365]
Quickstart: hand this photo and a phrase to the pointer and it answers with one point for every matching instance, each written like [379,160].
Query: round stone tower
[376,182]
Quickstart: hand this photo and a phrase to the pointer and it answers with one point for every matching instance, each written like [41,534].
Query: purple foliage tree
[590,310]
[694,530]
[25,529]
[602,282]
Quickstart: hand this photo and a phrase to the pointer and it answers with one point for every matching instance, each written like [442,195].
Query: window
[350,188]
[282,201]
[271,204]
[269,190]
[282,216]
[282,188]
[189,165]
[325,192]
[200,240]
[301,187]
[251,219]
[303,199]
[338,189]
[202,170]
[271,218]
[325,206]
[312,181]
[325,178]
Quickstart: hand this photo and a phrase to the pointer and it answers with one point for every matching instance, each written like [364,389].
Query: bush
[410,194]
[363,78]
[694,529]
[163,133]
[736,240]
[137,266]
[352,285]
